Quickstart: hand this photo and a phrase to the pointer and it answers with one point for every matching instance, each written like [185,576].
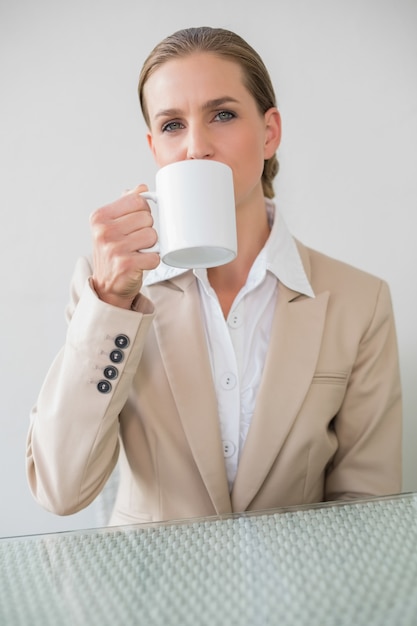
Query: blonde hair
[227,44]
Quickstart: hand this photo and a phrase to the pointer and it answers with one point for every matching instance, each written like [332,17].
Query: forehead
[200,75]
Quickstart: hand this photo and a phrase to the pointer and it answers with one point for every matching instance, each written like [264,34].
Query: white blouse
[238,345]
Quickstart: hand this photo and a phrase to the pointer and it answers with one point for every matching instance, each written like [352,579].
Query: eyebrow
[210,104]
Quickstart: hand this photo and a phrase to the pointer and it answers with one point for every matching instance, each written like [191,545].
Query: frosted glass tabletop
[338,564]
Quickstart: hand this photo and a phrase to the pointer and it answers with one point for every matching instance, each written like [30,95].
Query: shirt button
[121,341]
[235,320]
[116,356]
[111,372]
[229,448]
[228,380]
[104,386]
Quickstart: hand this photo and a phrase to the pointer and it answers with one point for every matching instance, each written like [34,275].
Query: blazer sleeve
[72,443]
[368,426]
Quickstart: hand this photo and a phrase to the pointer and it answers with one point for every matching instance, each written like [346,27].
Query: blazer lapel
[290,364]
[188,368]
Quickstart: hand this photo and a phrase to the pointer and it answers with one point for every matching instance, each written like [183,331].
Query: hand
[120,231]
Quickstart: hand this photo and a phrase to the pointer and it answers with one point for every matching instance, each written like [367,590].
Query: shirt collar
[279,256]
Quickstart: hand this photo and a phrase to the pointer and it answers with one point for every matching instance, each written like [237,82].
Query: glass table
[334,564]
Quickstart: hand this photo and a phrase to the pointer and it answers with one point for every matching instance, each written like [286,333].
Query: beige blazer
[327,421]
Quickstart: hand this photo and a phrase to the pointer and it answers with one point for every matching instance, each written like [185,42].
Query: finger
[148,260]
[143,239]
[130,202]
[131,223]
[125,234]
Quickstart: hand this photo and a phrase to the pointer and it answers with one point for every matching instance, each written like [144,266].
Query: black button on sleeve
[116,356]
[104,386]
[111,372]
[122,341]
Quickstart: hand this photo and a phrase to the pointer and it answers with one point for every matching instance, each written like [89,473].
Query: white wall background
[71,139]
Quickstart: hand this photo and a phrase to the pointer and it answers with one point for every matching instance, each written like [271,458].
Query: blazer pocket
[330,378]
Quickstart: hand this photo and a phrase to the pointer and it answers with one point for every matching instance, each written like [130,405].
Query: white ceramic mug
[195,217]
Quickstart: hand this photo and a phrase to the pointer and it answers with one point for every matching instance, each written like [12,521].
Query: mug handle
[151,195]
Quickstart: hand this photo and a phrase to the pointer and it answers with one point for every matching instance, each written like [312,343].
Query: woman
[270,381]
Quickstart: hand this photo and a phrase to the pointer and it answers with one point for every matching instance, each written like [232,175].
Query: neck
[252,232]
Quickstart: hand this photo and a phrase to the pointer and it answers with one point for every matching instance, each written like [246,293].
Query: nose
[199,145]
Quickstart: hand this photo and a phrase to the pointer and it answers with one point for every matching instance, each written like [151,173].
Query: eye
[172,126]
[225,116]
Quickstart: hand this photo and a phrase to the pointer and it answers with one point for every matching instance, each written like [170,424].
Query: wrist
[122,302]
